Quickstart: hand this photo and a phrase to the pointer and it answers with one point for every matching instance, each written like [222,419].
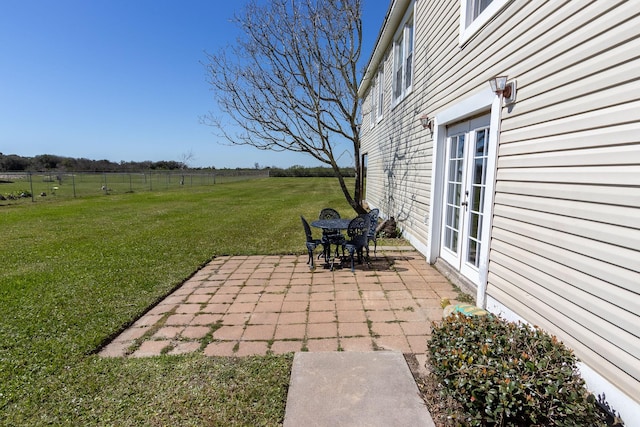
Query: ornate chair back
[334,235]
[329,213]
[358,232]
[307,229]
[311,242]
[373,218]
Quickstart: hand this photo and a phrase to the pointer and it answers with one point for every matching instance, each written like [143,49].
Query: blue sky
[123,80]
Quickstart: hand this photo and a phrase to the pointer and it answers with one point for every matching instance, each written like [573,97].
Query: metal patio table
[331,224]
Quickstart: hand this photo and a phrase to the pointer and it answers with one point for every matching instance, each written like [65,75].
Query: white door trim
[483,101]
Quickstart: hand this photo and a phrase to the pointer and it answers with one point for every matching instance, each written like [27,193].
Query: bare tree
[185,158]
[290,82]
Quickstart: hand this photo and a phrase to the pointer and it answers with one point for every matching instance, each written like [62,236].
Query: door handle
[466,200]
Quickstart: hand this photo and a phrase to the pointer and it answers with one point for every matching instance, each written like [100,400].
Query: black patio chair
[358,233]
[312,243]
[373,235]
[331,236]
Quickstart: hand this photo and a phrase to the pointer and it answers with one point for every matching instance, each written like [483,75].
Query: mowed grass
[74,273]
[46,187]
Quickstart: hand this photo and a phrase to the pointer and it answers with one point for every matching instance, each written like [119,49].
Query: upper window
[403,59]
[379,92]
[475,14]
[377,96]
[374,102]
[476,7]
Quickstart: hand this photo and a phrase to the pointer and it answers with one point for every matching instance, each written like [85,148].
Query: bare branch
[290,82]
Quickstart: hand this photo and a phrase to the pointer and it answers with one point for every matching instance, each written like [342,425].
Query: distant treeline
[51,162]
[301,171]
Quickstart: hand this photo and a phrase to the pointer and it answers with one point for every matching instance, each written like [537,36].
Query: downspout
[496,120]
[481,295]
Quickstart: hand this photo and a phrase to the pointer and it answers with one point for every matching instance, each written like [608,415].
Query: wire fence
[34,186]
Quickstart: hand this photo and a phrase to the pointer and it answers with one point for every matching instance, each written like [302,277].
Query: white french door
[466,158]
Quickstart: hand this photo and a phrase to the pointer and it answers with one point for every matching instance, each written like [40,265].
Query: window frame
[379,93]
[376,93]
[470,26]
[403,52]
[373,92]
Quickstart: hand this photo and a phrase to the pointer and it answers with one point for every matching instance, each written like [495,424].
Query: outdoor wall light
[501,88]
[426,122]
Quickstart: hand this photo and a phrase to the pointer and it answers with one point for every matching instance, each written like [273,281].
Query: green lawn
[75,272]
[53,186]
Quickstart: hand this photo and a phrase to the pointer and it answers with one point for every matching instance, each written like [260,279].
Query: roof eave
[392,19]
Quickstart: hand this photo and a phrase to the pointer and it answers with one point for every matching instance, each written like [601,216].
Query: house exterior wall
[564,249]
[398,153]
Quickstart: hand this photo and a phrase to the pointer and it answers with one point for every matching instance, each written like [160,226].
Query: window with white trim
[403,59]
[373,93]
[475,14]
[475,9]
[379,95]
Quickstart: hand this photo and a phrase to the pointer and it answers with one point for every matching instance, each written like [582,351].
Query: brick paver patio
[246,305]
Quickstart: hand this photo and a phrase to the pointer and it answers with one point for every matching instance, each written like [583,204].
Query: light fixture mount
[426,122]
[504,89]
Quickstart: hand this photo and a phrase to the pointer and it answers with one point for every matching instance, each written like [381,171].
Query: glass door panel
[455,165]
[476,200]
[465,187]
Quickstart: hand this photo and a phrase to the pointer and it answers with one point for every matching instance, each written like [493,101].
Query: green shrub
[509,374]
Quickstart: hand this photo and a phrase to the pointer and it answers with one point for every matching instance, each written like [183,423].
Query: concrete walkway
[349,330]
[354,389]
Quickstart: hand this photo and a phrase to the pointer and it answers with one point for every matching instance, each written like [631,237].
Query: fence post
[73,183]
[31,186]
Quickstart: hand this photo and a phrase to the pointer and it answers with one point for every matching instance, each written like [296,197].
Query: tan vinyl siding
[565,242]
[399,170]
[575,335]
[374,133]
[621,196]
[584,308]
[565,250]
